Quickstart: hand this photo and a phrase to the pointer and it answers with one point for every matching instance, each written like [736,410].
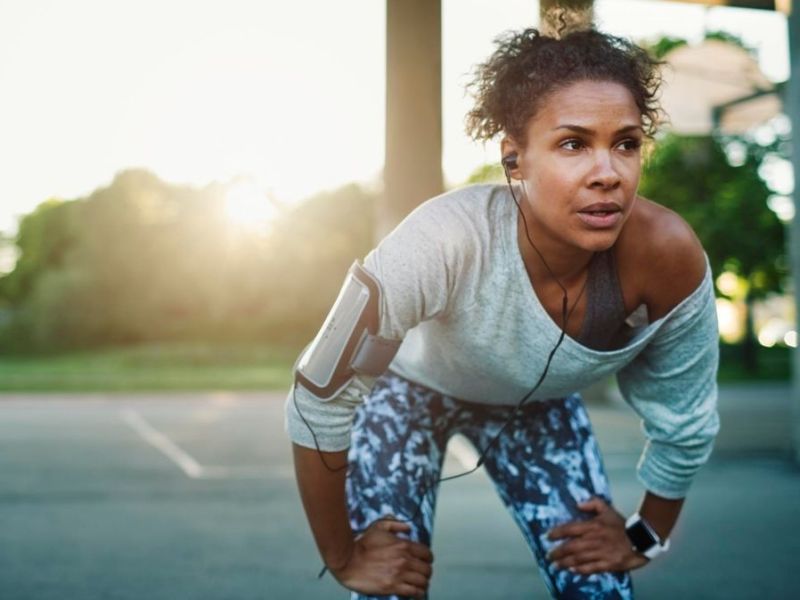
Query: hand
[383,563]
[599,544]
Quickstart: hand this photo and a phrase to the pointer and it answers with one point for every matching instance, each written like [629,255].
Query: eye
[572,141]
[633,144]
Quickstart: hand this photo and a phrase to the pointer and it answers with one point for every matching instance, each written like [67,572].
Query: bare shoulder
[668,257]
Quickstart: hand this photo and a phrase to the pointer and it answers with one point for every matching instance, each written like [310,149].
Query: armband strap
[374,355]
[348,342]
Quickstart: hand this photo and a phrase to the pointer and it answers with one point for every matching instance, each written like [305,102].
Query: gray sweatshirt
[456,292]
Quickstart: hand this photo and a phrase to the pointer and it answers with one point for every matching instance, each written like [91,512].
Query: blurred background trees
[143,260]
[726,202]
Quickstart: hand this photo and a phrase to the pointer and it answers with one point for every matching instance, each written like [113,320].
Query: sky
[289,93]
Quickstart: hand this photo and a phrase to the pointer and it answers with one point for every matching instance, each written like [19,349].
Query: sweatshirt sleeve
[672,386]
[416,267]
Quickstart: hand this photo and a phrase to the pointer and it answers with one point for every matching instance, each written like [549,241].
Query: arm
[415,266]
[322,493]
[688,267]
[320,474]
[672,385]
[375,562]
[661,513]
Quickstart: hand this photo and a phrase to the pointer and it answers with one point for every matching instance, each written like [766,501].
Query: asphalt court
[178,496]
[193,496]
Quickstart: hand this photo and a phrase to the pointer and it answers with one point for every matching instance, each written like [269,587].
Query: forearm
[323,494]
[661,513]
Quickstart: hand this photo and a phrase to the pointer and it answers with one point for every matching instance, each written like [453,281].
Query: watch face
[640,536]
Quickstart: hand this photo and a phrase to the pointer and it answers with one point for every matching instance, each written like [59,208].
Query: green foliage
[313,247]
[662,46]
[142,260]
[487,173]
[774,364]
[731,38]
[726,206]
[44,239]
[151,367]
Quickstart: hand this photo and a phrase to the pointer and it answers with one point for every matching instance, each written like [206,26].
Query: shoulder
[448,230]
[457,218]
[468,202]
[669,258]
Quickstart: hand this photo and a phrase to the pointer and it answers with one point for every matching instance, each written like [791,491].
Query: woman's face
[583,147]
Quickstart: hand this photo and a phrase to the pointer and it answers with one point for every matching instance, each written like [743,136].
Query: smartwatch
[643,537]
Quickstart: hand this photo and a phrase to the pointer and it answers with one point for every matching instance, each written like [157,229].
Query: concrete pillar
[792,109]
[413,167]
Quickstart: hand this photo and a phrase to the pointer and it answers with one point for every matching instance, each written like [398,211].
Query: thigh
[396,453]
[545,463]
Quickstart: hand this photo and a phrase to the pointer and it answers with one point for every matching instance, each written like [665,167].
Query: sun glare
[247,205]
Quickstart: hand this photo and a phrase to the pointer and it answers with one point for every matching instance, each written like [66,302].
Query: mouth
[601,215]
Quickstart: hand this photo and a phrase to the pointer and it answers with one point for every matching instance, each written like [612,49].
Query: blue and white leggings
[544,464]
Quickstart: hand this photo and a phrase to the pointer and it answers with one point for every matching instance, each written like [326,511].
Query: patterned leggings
[546,461]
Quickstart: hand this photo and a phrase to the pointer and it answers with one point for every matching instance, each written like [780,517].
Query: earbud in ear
[510,161]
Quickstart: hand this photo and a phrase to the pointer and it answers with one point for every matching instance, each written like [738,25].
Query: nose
[604,174]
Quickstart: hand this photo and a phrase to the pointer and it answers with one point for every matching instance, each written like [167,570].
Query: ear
[507,147]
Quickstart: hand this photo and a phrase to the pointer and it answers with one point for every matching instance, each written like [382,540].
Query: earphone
[509,162]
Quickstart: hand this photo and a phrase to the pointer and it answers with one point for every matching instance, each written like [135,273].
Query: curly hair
[528,66]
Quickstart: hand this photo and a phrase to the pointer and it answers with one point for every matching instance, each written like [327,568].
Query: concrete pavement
[192,496]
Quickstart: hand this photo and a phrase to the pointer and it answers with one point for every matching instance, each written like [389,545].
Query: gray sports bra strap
[605,306]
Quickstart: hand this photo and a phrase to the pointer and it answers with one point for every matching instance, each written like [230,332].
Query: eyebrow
[587,131]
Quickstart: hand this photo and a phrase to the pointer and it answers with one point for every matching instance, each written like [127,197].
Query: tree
[144,260]
[487,173]
[713,182]
[727,207]
[44,239]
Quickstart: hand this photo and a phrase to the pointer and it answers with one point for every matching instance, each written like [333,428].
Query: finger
[573,529]
[596,504]
[391,518]
[393,526]
[416,565]
[590,557]
[572,547]
[406,589]
[582,558]
[420,551]
[416,579]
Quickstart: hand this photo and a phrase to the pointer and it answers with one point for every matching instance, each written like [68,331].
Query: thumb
[390,523]
[595,504]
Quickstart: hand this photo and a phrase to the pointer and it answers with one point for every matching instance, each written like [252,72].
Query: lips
[601,215]
[601,207]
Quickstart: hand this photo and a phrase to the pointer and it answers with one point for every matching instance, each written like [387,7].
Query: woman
[534,287]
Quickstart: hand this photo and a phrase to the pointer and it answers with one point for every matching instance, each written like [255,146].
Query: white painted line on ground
[162,443]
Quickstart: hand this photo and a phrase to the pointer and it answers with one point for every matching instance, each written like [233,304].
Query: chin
[598,241]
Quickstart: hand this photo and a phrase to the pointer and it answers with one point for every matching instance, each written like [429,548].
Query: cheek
[554,181]
[634,171]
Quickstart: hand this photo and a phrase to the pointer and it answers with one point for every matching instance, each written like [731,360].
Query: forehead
[591,104]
